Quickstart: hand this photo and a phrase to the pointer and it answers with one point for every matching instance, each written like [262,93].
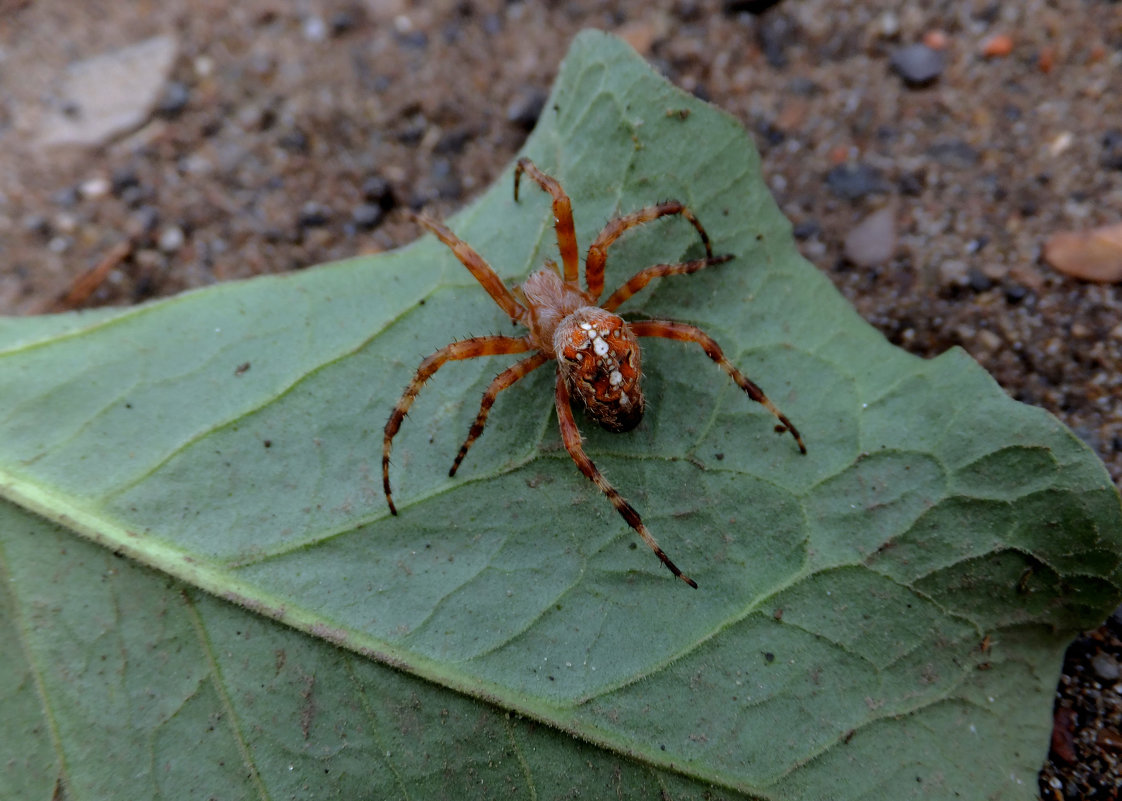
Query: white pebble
[171,239]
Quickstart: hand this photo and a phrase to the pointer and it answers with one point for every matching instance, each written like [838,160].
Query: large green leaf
[834,649]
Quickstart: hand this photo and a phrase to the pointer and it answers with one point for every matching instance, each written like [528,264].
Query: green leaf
[881,618]
[189,697]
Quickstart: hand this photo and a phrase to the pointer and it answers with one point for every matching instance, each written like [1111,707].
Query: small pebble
[343,22]
[367,216]
[313,215]
[133,196]
[911,184]
[1046,60]
[412,131]
[775,33]
[377,189]
[195,164]
[997,46]
[954,273]
[918,64]
[204,66]
[640,34]
[806,229]
[1106,667]
[1014,293]
[492,24]
[1060,144]
[953,153]
[315,29]
[802,86]
[254,117]
[1111,157]
[1094,255]
[66,197]
[872,241]
[414,40]
[978,280]
[65,222]
[95,188]
[888,25]
[989,340]
[175,98]
[37,223]
[936,39]
[124,178]
[150,261]
[446,180]
[453,141]
[142,221]
[853,181]
[526,107]
[262,64]
[295,141]
[171,239]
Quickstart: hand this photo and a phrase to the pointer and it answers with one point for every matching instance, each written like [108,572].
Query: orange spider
[597,351]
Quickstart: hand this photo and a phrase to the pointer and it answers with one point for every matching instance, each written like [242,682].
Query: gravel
[279,130]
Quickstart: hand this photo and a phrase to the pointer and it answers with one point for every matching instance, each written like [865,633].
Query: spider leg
[502,381]
[478,266]
[648,274]
[598,250]
[562,215]
[464,349]
[570,435]
[667,329]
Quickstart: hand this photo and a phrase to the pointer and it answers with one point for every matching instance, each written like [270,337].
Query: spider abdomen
[599,358]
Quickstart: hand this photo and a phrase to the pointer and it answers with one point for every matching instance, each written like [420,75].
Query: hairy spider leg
[478,266]
[503,380]
[598,250]
[648,274]
[562,215]
[668,329]
[570,435]
[464,349]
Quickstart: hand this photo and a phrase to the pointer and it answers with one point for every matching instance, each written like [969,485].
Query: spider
[596,351]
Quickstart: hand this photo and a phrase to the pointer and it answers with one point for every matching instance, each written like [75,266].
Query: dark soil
[291,134]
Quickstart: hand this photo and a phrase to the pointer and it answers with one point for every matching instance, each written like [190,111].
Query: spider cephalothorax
[596,350]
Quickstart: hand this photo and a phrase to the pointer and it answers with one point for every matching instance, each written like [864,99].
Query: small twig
[87,283]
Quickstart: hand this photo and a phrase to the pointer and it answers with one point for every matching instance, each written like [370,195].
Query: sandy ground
[290,134]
